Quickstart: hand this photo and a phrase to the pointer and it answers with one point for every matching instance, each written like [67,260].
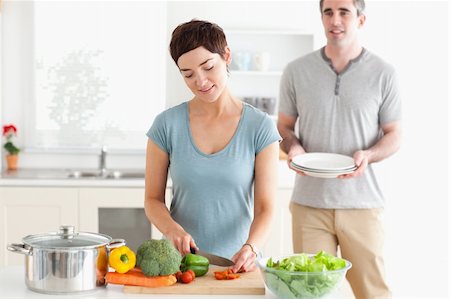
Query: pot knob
[67,231]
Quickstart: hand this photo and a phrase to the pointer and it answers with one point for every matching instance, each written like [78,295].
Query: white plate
[320,170]
[324,161]
[324,175]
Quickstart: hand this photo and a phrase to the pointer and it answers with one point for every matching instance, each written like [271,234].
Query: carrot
[226,275]
[135,277]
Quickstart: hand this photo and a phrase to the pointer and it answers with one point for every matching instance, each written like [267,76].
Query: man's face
[341,22]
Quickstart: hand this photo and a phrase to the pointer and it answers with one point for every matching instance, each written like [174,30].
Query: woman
[216,148]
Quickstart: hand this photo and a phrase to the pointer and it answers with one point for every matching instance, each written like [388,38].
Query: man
[346,101]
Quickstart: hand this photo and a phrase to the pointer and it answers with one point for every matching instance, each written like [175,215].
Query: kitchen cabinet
[259,57]
[29,210]
[279,241]
[33,210]
[93,200]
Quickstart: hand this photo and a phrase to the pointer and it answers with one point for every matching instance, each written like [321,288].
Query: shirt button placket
[336,87]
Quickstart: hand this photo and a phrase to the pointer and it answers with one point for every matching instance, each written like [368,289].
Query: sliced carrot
[233,276]
[226,275]
[135,277]
[219,275]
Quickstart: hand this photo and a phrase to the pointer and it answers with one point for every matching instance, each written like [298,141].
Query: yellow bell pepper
[122,259]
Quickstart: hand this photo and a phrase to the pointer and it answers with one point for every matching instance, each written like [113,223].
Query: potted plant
[9,132]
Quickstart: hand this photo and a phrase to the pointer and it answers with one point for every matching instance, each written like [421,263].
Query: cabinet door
[92,199]
[95,201]
[279,241]
[29,211]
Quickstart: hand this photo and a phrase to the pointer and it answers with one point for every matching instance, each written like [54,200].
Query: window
[99,70]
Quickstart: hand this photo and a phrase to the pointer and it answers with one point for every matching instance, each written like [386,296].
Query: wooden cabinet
[28,211]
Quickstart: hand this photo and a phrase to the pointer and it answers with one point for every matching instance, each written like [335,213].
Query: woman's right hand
[182,241]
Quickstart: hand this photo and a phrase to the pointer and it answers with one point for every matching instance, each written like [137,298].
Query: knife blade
[214,259]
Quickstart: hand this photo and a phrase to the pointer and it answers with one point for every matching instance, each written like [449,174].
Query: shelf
[256,73]
[280,48]
[258,58]
[266,32]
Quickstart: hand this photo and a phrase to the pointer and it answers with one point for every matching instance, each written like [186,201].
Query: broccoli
[158,257]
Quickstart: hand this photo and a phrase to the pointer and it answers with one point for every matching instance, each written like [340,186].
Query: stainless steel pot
[65,261]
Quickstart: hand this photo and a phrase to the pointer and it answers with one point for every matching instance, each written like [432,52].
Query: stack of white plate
[324,165]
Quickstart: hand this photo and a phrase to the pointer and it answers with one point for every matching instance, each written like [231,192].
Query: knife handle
[192,250]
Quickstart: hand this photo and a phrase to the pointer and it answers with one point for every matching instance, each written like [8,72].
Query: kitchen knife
[214,259]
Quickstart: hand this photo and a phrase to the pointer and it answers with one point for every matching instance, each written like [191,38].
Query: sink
[117,174]
[76,174]
[109,174]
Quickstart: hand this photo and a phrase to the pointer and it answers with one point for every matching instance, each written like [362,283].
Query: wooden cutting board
[250,283]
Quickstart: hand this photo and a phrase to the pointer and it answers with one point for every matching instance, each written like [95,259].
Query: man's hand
[295,151]
[361,159]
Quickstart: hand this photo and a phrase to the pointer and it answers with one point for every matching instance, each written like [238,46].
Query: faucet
[102,164]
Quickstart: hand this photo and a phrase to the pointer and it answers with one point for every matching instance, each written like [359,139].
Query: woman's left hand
[244,260]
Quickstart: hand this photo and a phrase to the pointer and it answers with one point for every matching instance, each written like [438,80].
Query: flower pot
[11,162]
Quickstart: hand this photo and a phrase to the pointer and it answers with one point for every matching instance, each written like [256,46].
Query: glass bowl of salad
[303,275]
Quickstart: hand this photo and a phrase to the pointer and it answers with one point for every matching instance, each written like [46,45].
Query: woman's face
[205,73]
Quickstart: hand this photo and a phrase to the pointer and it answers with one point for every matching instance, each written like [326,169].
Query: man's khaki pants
[358,233]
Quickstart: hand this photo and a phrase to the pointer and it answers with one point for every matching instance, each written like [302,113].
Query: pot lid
[67,238]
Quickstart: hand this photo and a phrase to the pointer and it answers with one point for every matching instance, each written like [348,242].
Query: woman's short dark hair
[196,33]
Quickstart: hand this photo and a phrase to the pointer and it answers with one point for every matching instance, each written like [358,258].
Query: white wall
[13,85]
[413,36]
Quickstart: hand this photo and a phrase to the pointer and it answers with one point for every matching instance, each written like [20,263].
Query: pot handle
[114,243]
[20,248]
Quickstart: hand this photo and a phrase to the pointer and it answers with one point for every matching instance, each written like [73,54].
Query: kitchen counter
[12,285]
[60,178]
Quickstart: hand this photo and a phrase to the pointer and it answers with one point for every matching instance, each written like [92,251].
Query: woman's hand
[244,260]
[182,241]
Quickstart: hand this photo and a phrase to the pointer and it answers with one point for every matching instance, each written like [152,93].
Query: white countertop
[58,178]
[12,285]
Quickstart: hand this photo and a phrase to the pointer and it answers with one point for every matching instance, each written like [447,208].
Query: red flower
[9,132]
[8,128]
